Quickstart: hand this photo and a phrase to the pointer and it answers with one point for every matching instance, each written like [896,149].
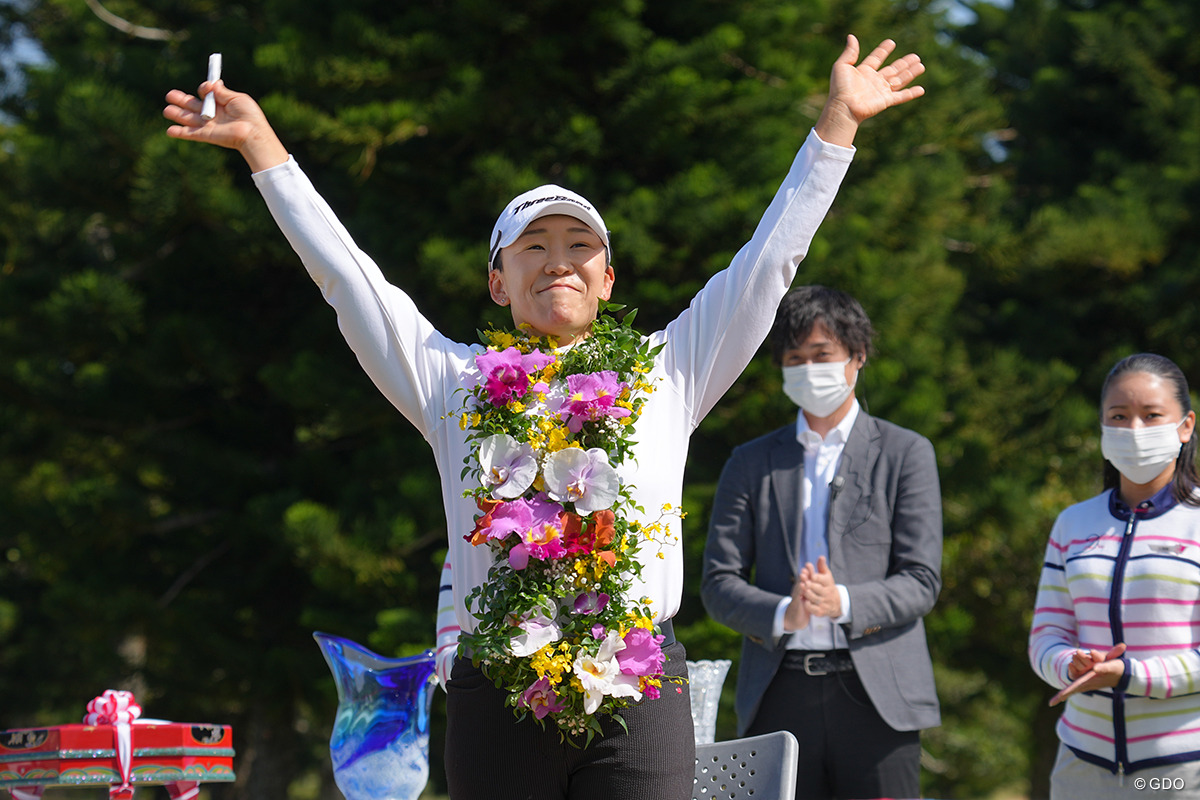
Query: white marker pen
[214,73]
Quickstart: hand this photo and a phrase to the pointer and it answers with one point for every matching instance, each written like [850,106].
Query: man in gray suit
[824,551]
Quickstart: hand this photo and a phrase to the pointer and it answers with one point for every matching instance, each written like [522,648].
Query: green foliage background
[195,474]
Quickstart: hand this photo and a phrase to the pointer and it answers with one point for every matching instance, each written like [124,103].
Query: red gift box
[177,754]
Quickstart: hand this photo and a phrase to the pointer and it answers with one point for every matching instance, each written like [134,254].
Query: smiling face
[553,278]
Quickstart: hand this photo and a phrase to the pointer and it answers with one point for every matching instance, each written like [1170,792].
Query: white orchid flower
[537,632]
[601,675]
[509,467]
[582,477]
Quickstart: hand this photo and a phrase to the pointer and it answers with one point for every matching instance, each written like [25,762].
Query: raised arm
[240,124]
[407,359]
[858,92]
[711,342]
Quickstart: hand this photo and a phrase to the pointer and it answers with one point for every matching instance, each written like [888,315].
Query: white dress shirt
[821,459]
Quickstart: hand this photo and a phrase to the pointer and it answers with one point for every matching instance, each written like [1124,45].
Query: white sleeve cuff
[777,630]
[844,594]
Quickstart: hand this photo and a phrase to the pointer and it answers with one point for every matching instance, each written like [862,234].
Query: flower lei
[556,626]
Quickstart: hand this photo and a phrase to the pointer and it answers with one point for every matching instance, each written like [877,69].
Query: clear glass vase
[380,742]
[705,680]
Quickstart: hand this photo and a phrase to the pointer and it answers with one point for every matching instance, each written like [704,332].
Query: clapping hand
[821,597]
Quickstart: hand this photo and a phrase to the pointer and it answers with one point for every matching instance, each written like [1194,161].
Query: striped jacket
[1113,574]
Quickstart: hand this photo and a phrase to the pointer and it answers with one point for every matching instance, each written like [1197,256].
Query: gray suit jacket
[885,547]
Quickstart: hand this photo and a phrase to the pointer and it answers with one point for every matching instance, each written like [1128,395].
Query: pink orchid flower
[507,519]
[541,699]
[591,397]
[642,654]
[591,603]
[542,536]
[506,372]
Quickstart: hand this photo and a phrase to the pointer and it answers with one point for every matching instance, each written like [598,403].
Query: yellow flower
[558,440]
[549,664]
[501,340]
[517,407]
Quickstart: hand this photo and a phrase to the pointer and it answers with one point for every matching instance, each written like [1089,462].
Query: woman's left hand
[1099,671]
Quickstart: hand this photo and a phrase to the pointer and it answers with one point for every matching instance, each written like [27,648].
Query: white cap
[540,202]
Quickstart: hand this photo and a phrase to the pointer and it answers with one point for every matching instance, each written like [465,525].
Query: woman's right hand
[239,124]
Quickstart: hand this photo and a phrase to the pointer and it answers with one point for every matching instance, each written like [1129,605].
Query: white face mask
[1141,454]
[817,388]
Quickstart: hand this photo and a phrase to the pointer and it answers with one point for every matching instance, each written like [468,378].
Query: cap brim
[566,208]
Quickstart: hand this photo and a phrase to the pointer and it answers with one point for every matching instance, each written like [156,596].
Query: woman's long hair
[1186,480]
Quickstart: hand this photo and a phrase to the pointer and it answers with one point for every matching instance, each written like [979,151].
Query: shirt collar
[808,438]
[1162,502]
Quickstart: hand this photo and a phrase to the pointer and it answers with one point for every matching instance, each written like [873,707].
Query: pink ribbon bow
[112,707]
[118,709]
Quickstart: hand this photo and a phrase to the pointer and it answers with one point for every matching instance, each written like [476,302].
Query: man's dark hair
[801,309]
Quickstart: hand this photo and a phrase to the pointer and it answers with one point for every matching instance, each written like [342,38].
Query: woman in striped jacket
[1117,622]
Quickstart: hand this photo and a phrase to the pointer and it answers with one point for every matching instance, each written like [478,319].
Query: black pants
[491,755]
[846,749]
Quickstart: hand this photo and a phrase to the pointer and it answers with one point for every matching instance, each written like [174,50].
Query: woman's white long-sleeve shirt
[706,348]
